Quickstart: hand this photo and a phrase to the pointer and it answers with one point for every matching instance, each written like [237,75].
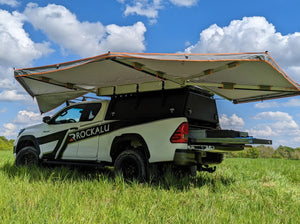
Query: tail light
[181,134]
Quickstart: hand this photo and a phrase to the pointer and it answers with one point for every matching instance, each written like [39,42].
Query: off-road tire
[28,156]
[131,164]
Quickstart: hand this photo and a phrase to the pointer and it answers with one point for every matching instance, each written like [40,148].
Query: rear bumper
[185,157]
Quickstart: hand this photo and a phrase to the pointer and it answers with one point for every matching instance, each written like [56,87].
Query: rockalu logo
[89,132]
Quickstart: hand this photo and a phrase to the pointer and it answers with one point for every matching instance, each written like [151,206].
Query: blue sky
[37,32]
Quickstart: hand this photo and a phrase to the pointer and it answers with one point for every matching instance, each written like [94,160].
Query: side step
[75,163]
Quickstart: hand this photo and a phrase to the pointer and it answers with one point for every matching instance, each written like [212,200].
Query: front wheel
[131,164]
[27,156]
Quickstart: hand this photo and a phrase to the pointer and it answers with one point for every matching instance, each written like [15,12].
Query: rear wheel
[27,156]
[131,164]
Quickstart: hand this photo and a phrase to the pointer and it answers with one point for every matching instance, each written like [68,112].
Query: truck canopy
[239,77]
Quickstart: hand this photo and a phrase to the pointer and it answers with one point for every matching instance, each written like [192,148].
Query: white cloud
[146,8]
[17,50]
[262,131]
[234,122]
[247,35]
[263,105]
[12,95]
[28,117]
[9,130]
[12,3]
[84,38]
[124,38]
[294,102]
[186,3]
[16,46]
[294,71]
[23,119]
[150,11]
[270,115]
[150,8]
[7,83]
[276,124]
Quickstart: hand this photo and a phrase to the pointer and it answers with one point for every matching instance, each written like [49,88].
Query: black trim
[50,138]
[29,138]
[83,134]
[86,133]
[76,163]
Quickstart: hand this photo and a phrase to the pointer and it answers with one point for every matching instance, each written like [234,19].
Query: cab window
[90,112]
[69,115]
[77,113]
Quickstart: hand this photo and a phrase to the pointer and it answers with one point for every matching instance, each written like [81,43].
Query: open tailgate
[223,140]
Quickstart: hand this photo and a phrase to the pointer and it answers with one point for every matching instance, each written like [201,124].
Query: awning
[239,77]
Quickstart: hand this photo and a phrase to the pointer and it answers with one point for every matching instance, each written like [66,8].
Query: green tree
[6,144]
[266,151]
[252,153]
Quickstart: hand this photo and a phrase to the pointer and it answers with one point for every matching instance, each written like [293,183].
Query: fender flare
[116,149]
[27,138]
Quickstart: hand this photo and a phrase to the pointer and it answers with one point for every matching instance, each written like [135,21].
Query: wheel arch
[27,140]
[122,142]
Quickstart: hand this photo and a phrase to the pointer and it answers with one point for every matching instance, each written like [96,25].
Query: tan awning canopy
[239,77]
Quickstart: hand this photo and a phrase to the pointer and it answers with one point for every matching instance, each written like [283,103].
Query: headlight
[21,131]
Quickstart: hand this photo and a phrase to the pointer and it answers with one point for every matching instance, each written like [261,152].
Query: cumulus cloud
[16,46]
[276,124]
[143,8]
[294,102]
[12,3]
[268,104]
[150,8]
[28,117]
[12,95]
[251,34]
[186,3]
[84,38]
[17,50]
[9,130]
[124,38]
[270,115]
[294,71]
[262,131]
[233,122]
[23,119]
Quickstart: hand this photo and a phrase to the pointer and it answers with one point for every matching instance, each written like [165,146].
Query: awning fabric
[239,77]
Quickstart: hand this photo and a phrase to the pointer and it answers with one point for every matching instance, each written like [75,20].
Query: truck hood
[34,128]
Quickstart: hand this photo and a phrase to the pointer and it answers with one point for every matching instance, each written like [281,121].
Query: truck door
[88,133]
[58,130]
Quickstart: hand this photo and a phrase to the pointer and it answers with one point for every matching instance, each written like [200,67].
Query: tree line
[6,144]
[282,152]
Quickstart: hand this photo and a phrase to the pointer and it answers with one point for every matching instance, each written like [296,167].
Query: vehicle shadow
[73,174]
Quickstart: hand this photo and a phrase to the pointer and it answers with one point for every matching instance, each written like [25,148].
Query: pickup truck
[136,133]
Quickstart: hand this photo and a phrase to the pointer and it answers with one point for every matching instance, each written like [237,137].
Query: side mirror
[46,119]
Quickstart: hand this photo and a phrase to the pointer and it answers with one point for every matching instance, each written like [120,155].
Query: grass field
[240,191]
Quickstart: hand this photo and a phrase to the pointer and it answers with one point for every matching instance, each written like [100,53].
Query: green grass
[240,191]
